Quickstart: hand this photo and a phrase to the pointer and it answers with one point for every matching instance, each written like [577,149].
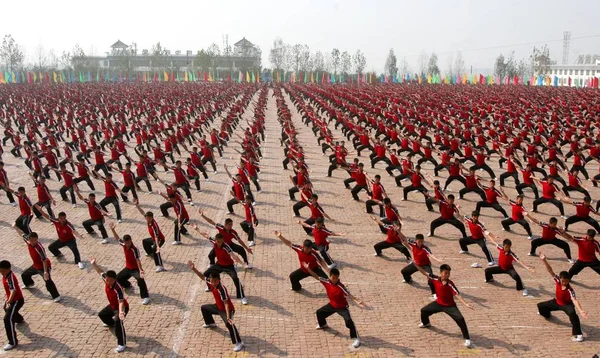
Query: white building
[580,74]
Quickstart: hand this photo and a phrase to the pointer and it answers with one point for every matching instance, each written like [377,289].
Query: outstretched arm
[207,219]
[95,266]
[195,270]
[282,239]
[547,265]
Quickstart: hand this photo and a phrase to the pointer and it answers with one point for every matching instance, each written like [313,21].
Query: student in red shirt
[5,184]
[517,216]
[41,265]
[506,257]
[511,170]
[223,306]
[445,292]
[14,302]
[83,172]
[306,194]
[250,220]
[574,184]
[66,237]
[477,229]
[117,309]
[471,185]
[156,240]
[378,194]
[133,265]
[447,215]
[320,233]
[548,195]
[361,182]
[549,232]
[416,183]
[97,214]
[564,300]
[394,238]
[454,170]
[45,198]
[306,254]
[26,207]
[111,189]
[527,181]
[582,213]
[587,248]
[338,303]
[421,255]
[491,198]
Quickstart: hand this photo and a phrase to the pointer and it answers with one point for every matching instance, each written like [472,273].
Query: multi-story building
[580,75]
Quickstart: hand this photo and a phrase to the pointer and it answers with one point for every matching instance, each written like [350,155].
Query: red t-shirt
[566,296]
[445,292]
[587,249]
[336,292]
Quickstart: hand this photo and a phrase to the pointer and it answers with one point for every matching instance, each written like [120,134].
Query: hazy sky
[478,28]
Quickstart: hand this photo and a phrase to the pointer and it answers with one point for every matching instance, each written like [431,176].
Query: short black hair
[33,234]
[62,214]
[445,267]
[320,221]
[564,274]
[587,199]
[150,214]
[5,265]
[553,220]
[507,242]
[215,275]
[111,274]
[591,233]
[419,237]
[126,237]
[228,221]
[307,243]
[219,236]
[451,197]
[334,272]
[475,213]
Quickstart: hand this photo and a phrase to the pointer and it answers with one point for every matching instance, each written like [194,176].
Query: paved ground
[278,322]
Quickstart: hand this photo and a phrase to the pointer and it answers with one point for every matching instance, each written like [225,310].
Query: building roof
[119,44]
[243,42]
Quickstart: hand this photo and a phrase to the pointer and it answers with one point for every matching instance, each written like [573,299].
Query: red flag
[481,79]
[569,81]
[595,82]
[516,80]
[229,77]
[47,78]
[205,77]
[155,77]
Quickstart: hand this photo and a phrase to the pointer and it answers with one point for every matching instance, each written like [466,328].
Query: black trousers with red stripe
[491,271]
[211,309]
[12,316]
[469,240]
[111,318]
[298,275]
[410,269]
[451,311]
[328,310]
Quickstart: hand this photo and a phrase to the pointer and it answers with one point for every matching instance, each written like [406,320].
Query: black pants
[380,159]
[328,310]
[87,180]
[299,205]
[212,162]
[410,269]
[553,201]
[468,240]
[47,205]
[506,223]
[63,193]
[451,311]
[9,196]
[425,159]
[231,203]
[477,190]
[580,265]
[513,175]
[125,190]
[238,249]
[442,221]
[556,242]
[179,229]
[522,186]
[490,271]
[323,250]
[111,318]
[112,200]
[575,219]
[11,317]
[248,229]
[55,247]
[357,189]
[102,167]
[230,270]
[87,225]
[123,279]
[145,179]
[186,189]
[386,245]
[495,206]
[369,206]
[298,275]
[486,168]
[399,178]
[150,247]
[309,221]
[349,181]
[452,178]
[568,188]
[164,208]
[23,222]
[411,188]
[27,275]
[209,310]
[293,190]
[546,308]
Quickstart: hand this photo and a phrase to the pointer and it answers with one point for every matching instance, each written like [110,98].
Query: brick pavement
[278,322]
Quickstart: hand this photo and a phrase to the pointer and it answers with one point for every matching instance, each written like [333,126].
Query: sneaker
[28,287]
[119,349]
[322,327]
[73,206]
[503,229]
[254,203]
[105,325]
[57,299]
[463,252]
[159,269]
[356,343]
[529,237]
[211,325]
[531,254]
[429,234]
[331,266]
[490,281]
[249,266]
[421,325]
[104,241]
[476,265]
[571,261]
[215,172]
[13,204]
[492,263]
[251,244]
[525,293]
[468,343]
[376,254]
[238,347]
[577,338]
[119,221]
[244,301]
[207,289]
[433,297]
[562,216]
[8,347]
[191,203]
[176,243]
[81,265]
[146,301]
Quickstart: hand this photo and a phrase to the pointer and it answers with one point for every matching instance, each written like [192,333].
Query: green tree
[11,54]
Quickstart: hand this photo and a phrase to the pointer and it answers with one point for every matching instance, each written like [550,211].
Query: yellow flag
[312,78]
[429,79]
[186,76]
[247,77]
[54,75]
[210,77]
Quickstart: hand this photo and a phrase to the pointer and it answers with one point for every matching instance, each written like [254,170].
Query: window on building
[587,72]
[570,72]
